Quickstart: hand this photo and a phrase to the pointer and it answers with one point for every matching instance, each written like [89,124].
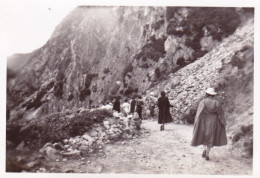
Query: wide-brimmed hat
[211,91]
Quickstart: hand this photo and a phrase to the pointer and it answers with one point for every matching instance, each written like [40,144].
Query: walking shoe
[207,158]
[162,127]
[204,154]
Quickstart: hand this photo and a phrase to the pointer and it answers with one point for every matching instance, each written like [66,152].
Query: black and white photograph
[136,89]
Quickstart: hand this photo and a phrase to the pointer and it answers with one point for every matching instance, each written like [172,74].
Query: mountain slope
[97,53]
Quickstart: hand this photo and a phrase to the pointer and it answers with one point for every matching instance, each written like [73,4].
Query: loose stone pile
[110,130]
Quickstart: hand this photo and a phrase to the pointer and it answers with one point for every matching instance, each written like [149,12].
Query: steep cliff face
[88,52]
[98,52]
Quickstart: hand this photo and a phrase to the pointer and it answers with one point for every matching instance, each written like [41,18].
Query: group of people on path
[209,125]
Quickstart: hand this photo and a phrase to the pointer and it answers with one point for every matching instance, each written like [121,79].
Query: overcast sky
[28,24]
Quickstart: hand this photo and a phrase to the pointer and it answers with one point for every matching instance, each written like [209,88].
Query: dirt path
[159,152]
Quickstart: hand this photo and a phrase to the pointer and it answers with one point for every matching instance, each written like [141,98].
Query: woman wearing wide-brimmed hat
[209,126]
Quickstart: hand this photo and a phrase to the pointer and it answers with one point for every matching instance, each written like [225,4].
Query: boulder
[84,148]
[106,124]
[72,153]
[58,146]
[88,138]
[52,153]
[32,164]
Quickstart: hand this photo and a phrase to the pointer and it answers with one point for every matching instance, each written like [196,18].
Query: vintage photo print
[129,88]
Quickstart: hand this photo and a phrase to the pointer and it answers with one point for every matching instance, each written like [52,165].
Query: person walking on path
[209,126]
[139,107]
[164,110]
[116,104]
[132,105]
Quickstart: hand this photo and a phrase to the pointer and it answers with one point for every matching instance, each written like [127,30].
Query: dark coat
[139,107]
[164,110]
[209,109]
[116,105]
[132,106]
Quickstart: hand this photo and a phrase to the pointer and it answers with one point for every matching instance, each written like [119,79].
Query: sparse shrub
[219,22]
[128,91]
[84,93]
[221,84]
[236,137]
[89,79]
[37,102]
[236,61]
[152,50]
[128,68]
[12,132]
[121,92]
[145,65]
[59,127]
[181,62]
[157,25]
[170,12]
[174,29]
[157,72]
[190,116]
[106,70]
[247,129]
[197,54]
[71,96]
[129,75]
[144,59]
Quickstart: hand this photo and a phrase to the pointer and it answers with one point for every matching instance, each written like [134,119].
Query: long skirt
[210,127]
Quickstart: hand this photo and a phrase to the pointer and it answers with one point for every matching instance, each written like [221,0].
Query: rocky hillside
[229,68]
[96,53]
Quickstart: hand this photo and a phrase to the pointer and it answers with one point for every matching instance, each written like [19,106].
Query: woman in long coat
[164,110]
[209,126]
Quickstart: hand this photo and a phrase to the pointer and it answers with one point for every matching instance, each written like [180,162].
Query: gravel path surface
[161,152]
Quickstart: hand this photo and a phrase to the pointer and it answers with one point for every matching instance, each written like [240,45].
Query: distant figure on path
[209,126]
[164,110]
[139,107]
[132,105]
[116,104]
